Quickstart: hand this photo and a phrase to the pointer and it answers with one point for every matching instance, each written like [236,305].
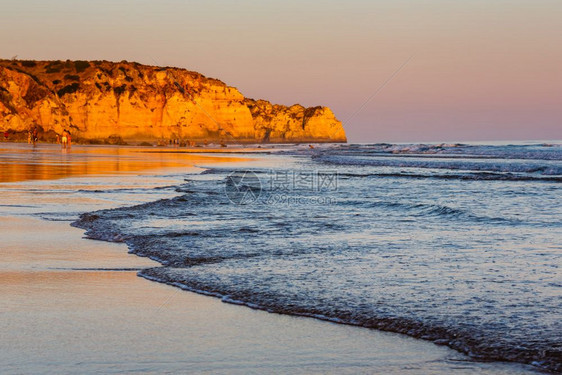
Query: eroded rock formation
[100,100]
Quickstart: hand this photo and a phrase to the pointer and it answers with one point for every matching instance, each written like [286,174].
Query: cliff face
[101,100]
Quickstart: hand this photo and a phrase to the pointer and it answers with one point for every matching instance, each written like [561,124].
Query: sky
[391,70]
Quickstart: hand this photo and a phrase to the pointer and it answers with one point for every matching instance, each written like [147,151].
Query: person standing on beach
[34,135]
[64,139]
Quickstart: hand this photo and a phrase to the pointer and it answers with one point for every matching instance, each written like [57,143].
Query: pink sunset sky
[481,70]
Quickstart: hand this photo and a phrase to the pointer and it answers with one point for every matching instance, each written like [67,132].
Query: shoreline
[461,349]
[84,302]
[89,290]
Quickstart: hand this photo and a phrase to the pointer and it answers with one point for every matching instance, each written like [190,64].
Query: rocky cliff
[101,101]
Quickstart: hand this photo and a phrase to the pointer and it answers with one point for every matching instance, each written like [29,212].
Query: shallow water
[70,305]
[456,244]
[75,306]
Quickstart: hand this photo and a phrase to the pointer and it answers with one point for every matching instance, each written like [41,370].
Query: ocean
[459,244]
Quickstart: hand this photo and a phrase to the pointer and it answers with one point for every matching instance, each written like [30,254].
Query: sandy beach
[73,305]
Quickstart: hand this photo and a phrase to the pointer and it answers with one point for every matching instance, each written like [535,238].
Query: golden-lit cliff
[101,101]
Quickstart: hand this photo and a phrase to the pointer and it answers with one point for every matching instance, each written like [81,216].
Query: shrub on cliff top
[119,89]
[68,89]
[55,69]
[72,77]
[80,66]
[28,63]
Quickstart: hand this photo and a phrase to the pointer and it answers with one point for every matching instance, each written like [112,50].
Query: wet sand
[21,162]
[72,305]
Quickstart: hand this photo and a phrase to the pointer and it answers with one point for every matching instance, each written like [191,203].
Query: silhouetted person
[34,135]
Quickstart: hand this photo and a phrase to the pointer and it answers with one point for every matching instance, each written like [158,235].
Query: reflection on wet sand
[20,162]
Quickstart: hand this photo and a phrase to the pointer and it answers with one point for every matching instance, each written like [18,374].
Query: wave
[458,339]
[545,151]
[411,211]
[436,210]
[476,176]
[550,169]
[126,190]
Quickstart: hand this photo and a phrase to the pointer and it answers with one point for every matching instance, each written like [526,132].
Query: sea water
[457,244]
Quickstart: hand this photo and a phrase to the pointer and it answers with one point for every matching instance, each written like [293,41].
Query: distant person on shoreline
[34,134]
[64,139]
[6,135]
